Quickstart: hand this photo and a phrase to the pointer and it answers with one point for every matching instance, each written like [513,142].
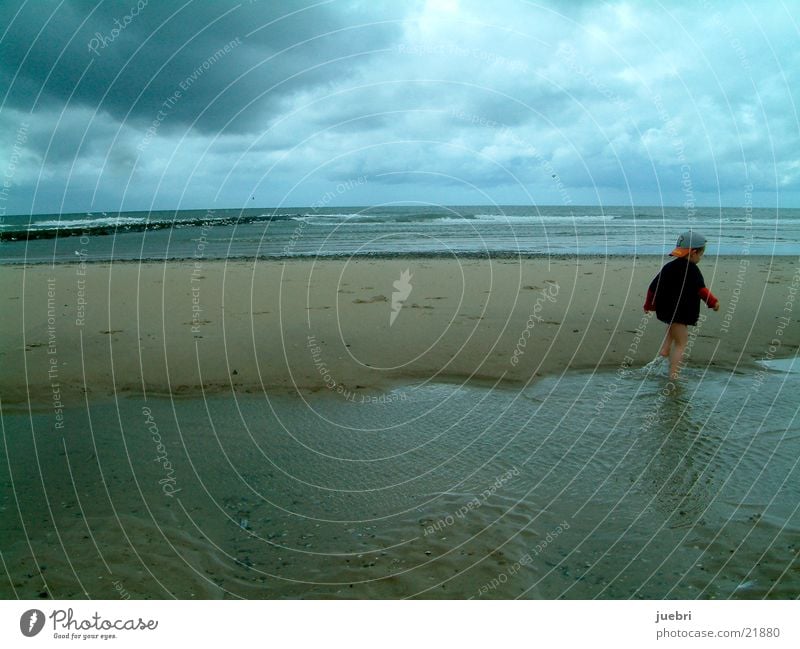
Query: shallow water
[586,485]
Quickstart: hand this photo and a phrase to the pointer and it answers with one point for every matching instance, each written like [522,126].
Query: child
[675,294]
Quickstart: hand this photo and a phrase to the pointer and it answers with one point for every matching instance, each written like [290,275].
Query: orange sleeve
[650,301]
[708,297]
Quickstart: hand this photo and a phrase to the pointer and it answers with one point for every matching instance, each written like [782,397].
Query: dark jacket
[675,293]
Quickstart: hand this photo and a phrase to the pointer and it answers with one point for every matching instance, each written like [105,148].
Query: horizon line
[457,205]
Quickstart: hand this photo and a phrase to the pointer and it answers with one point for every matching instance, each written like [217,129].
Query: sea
[394,230]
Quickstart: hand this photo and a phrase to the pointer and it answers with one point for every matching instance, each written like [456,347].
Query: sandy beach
[192,327]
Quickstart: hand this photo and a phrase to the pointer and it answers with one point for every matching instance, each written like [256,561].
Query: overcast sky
[177,105]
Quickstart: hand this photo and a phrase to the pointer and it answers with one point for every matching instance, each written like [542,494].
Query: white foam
[547,218]
[656,366]
[455,219]
[784,365]
[84,223]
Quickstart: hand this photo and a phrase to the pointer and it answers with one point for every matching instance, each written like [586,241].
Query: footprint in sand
[374,298]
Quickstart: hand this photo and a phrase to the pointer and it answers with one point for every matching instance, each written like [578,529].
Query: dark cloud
[232,64]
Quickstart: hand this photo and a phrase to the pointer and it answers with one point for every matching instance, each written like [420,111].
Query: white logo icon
[400,295]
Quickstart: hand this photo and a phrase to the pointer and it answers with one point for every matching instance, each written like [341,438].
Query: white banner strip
[401,624]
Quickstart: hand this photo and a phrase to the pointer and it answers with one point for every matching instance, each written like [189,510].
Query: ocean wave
[110,225]
[453,219]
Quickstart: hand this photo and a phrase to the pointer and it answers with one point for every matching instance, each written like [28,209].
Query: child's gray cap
[690,239]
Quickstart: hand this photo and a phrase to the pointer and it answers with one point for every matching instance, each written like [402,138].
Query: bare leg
[664,351]
[679,335]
